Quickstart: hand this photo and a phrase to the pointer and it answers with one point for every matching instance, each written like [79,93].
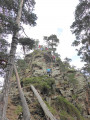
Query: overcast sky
[56,17]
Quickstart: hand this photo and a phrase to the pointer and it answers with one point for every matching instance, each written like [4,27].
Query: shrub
[79,107]
[68,107]
[44,83]
[21,64]
[65,116]
[72,79]
[74,96]
[37,65]
[18,110]
[52,110]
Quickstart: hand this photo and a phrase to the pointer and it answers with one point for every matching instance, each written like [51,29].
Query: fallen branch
[48,114]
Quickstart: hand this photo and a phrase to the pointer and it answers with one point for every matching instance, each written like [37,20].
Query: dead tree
[48,114]
[26,112]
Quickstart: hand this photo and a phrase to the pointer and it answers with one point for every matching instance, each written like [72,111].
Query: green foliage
[30,18]
[52,42]
[79,108]
[36,52]
[8,14]
[8,24]
[3,48]
[37,65]
[4,45]
[44,83]
[57,55]
[72,78]
[80,27]
[67,63]
[86,69]
[61,64]
[36,44]
[67,60]
[27,44]
[18,110]
[65,116]
[21,65]
[52,110]
[58,59]
[26,41]
[65,105]
[74,96]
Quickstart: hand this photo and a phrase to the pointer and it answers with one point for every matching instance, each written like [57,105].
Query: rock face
[70,84]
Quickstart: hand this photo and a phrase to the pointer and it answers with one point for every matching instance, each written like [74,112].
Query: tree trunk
[24,50]
[48,114]
[26,113]
[52,46]
[4,98]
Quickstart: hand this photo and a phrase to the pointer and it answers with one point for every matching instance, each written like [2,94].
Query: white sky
[56,17]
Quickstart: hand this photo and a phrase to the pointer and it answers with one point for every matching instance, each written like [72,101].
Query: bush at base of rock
[43,83]
[64,105]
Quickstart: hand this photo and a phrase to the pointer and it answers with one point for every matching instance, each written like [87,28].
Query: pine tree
[36,44]
[21,11]
[3,48]
[81,28]
[3,55]
[8,14]
[52,42]
[27,44]
[67,62]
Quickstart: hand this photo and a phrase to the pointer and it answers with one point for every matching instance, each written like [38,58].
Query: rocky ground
[69,84]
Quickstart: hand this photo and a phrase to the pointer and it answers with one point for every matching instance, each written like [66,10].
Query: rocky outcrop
[70,84]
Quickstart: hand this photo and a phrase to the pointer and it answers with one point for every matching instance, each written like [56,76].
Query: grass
[74,96]
[65,105]
[18,110]
[65,116]
[72,78]
[52,110]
